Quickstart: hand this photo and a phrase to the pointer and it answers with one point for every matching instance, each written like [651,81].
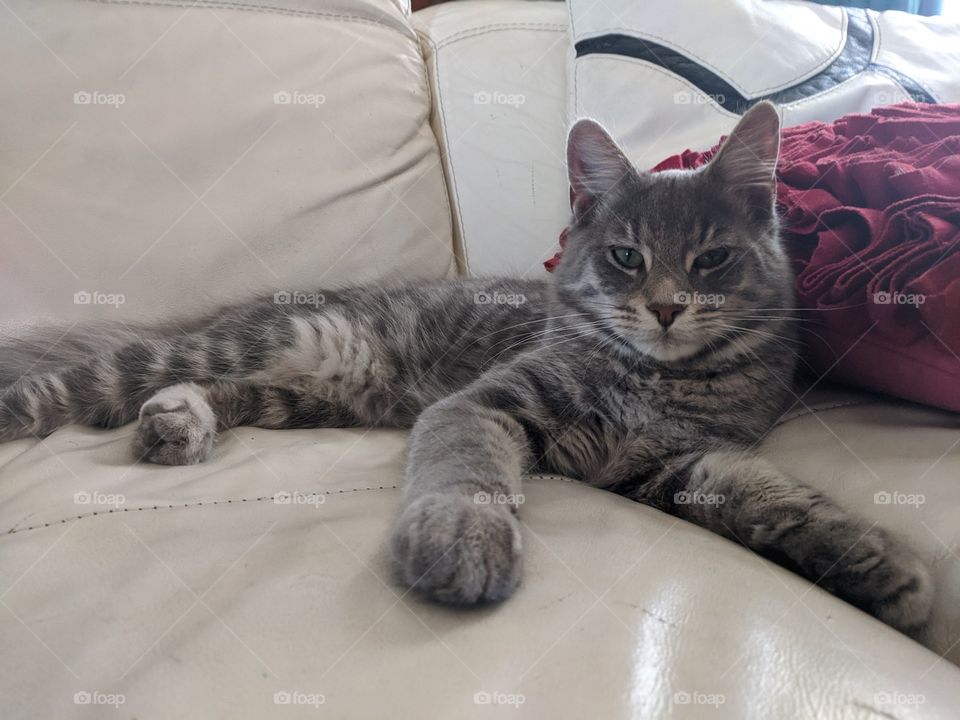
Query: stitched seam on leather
[822,408]
[655,68]
[878,41]
[877,69]
[844,31]
[835,88]
[198,503]
[486,29]
[743,91]
[251,7]
[232,501]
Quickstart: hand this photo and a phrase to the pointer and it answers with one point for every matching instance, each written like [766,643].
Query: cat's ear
[747,161]
[594,164]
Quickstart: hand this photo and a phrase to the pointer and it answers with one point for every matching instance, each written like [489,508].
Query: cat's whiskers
[535,321]
[542,334]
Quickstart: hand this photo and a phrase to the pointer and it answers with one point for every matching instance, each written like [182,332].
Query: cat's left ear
[746,163]
[594,164]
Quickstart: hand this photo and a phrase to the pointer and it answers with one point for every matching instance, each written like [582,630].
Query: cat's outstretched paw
[883,576]
[456,551]
[177,427]
[901,588]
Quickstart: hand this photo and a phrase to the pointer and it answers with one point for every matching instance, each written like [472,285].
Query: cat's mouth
[666,344]
[672,346]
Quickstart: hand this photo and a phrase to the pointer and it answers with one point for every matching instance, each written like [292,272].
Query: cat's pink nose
[666,314]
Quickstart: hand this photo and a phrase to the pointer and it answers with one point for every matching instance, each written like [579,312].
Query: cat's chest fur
[649,400]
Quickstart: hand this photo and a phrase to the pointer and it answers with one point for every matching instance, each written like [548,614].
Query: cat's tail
[54,376]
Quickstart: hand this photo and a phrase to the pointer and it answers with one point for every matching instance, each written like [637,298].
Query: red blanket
[871,209]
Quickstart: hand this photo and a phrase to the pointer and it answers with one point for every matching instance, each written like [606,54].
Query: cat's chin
[673,352]
[669,349]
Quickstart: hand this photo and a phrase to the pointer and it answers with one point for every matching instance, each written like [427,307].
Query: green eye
[711,259]
[627,257]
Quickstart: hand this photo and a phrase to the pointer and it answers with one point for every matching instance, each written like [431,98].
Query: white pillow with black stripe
[666,75]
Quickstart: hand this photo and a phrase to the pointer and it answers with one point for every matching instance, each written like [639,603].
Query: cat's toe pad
[457,551]
[177,427]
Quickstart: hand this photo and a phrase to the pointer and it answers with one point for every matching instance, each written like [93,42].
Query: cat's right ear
[594,164]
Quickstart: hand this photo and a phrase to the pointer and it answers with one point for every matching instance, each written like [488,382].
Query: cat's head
[677,262]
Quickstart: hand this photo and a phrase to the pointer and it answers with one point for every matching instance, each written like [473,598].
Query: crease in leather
[461,254]
[428,50]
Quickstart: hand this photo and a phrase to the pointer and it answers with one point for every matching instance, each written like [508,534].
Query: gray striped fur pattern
[651,364]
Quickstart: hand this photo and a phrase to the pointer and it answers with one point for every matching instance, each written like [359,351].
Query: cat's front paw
[456,551]
[177,427]
[901,589]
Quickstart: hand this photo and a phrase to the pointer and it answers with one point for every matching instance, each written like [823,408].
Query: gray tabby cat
[650,365]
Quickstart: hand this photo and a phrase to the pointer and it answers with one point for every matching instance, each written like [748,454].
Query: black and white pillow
[666,75]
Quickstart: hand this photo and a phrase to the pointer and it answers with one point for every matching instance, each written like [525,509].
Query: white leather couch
[159,157]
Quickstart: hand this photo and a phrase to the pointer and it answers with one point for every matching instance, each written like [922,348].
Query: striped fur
[501,377]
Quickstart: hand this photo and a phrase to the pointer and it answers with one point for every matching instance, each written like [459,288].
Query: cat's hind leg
[745,498]
[33,406]
[178,425]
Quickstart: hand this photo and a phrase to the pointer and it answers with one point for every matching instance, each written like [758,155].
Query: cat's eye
[711,259]
[630,258]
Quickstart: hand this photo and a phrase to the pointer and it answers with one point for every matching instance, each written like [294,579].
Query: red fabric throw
[871,211]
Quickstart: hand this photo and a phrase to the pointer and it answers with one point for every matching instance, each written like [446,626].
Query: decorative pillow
[871,206]
[871,202]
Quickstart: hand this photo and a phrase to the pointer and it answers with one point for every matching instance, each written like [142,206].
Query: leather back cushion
[498,76]
[157,159]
